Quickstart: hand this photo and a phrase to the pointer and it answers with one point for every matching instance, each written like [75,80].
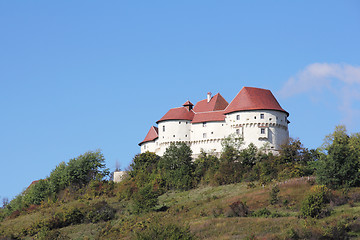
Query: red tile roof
[250,98]
[209,117]
[180,113]
[216,103]
[151,136]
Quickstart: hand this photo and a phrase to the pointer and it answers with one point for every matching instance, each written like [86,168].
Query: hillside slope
[202,213]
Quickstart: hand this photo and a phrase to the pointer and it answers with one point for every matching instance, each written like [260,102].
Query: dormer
[188,105]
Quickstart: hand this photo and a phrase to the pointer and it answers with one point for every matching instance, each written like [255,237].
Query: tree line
[336,165]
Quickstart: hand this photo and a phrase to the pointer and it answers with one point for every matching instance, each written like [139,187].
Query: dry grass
[204,210]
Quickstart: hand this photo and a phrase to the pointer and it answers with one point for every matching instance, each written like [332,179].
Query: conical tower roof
[250,98]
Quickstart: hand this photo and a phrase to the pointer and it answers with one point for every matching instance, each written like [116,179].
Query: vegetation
[244,190]
[340,166]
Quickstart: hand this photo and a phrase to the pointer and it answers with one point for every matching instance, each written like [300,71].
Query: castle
[254,115]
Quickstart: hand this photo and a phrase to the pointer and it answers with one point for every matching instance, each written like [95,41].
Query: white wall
[250,123]
[208,136]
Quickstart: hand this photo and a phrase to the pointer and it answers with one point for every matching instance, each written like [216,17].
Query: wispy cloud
[341,80]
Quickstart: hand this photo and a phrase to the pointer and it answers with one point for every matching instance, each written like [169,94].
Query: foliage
[341,166]
[144,163]
[145,199]
[249,156]
[238,209]
[232,141]
[100,211]
[315,202]
[37,193]
[81,170]
[274,195]
[230,168]
[157,230]
[264,212]
[205,166]
[77,173]
[176,166]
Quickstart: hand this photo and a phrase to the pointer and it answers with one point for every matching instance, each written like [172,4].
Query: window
[255,117]
[179,122]
[185,135]
[261,116]
[163,128]
[237,131]
[204,124]
[262,130]
[212,132]
[237,117]
[204,135]
[270,119]
[173,135]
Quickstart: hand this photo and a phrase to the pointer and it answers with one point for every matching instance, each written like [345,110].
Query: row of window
[262,116]
[262,131]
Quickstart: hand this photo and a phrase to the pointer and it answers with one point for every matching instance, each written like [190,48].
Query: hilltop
[205,212]
[243,194]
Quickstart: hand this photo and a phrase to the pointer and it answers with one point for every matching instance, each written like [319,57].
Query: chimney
[208,96]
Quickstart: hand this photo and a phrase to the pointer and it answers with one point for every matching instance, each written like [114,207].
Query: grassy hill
[244,193]
[203,212]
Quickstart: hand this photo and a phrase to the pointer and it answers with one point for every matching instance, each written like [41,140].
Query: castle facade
[254,115]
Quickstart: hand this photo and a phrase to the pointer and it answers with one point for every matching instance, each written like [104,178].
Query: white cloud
[341,80]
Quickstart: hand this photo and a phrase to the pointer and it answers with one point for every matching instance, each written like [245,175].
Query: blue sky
[85,75]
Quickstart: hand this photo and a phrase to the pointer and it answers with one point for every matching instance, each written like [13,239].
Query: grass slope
[206,211]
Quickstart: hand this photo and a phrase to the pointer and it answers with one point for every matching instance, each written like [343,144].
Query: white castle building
[254,114]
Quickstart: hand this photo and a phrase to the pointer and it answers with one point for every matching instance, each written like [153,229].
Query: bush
[264,212]
[274,198]
[73,216]
[157,230]
[315,202]
[145,199]
[238,209]
[100,211]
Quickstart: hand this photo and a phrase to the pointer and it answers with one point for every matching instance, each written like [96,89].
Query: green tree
[144,163]
[294,151]
[37,193]
[205,166]
[176,166]
[315,202]
[58,178]
[248,156]
[230,167]
[86,167]
[145,199]
[340,166]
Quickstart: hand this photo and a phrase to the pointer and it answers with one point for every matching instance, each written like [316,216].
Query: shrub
[73,216]
[145,199]
[101,211]
[315,202]
[157,230]
[274,198]
[238,209]
[264,212]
